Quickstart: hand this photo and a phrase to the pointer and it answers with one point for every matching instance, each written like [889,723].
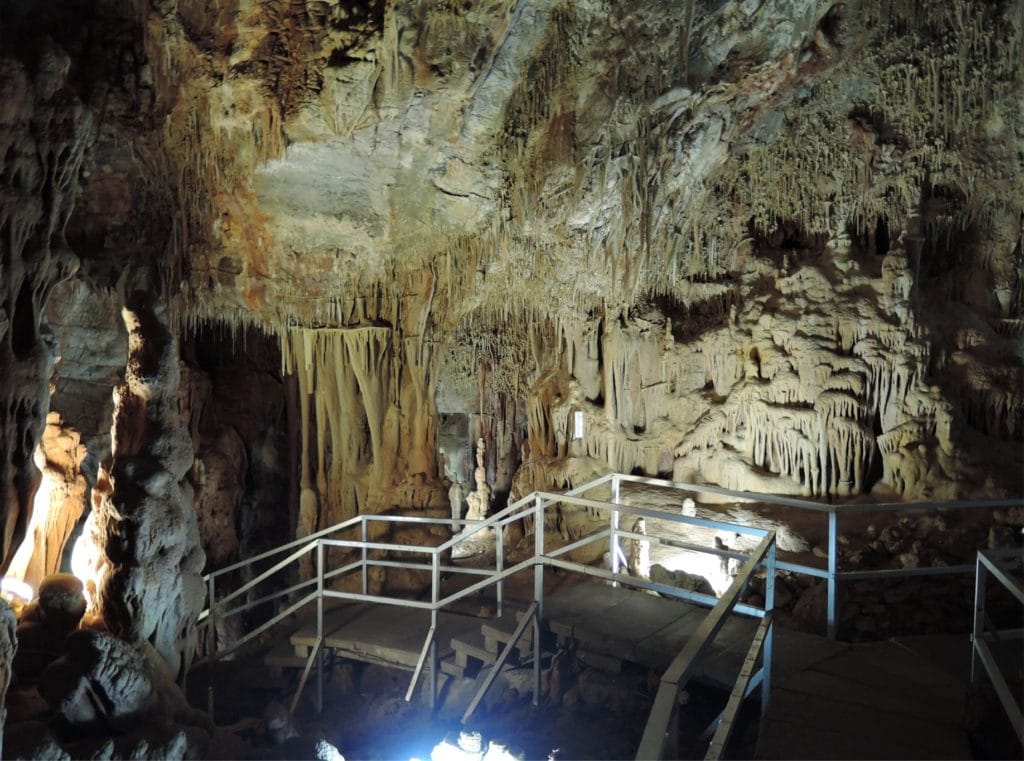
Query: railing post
[499,564]
[769,610]
[320,626]
[365,569]
[538,591]
[211,645]
[832,577]
[980,573]
[435,595]
[613,539]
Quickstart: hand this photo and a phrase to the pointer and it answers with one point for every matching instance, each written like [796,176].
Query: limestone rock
[59,502]
[46,622]
[688,581]
[144,538]
[61,600]
[8,648]
[105,683]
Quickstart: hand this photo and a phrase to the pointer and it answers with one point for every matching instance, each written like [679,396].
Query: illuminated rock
[143,526]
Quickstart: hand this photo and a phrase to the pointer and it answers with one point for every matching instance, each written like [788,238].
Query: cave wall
[44,131]
[769,245]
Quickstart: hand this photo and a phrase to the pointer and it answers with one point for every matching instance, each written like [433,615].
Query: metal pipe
[769,638]
[528,618]
[435,595]
[643,512]
[211,646]
[267,573]
[268,598]
[410,690]
[709,601]
[979,615]
[680,545]
[833,530]
[588,539]
[320,626]
[739,690]
[999,575]
[614,528]
[661,728]
[538,592]
[309,539]
[499,565]
[266,625]
[365,573]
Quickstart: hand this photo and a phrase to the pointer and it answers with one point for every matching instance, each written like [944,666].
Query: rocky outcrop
[145,550]
[106,683]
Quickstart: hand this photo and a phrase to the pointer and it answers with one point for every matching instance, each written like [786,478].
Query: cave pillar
[148,556]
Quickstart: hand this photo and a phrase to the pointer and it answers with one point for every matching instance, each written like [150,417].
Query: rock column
[148,557]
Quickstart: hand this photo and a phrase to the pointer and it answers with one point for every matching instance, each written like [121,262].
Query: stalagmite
[148,560]
[479,501]
[59,503]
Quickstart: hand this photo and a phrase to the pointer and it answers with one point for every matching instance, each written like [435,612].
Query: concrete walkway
[877,700]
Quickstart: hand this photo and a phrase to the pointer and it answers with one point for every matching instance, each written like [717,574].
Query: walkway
[621,624]
[830,699]
[872,700]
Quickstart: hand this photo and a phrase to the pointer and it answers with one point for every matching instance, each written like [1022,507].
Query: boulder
[106,683]
[62,601]
[691,582]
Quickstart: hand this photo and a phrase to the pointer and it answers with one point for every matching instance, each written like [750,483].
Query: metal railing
[991,564]
[534,506]
[831,573]
[660,738]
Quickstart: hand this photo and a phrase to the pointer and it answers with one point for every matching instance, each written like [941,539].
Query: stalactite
[368,352]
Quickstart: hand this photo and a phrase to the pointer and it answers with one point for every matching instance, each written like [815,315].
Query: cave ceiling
[510,162]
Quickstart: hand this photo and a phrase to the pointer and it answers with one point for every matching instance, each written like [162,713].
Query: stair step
[501,629]
[453,669]
[471,645]
[282,657]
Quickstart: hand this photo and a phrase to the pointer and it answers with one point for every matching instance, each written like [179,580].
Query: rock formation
[44,130]
[479,501]
[144,537]
[771,246]
[8,647]
[59,503]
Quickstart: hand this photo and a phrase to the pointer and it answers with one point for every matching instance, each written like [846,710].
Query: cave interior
[271,266]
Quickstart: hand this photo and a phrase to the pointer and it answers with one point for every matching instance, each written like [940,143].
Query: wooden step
[499,630]
[453,669]
[471,645]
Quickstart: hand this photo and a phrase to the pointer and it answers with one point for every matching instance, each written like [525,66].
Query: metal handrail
[534,505]
[659,736]
[831,573]
[988,565]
